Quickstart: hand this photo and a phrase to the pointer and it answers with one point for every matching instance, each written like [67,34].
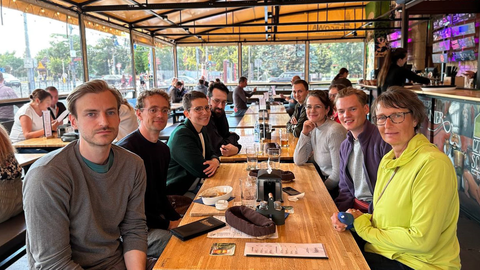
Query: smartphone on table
[290,191]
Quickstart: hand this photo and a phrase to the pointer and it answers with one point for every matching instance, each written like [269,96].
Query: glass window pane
[326,60]
[109,57]
[43,52]
[144,66]
[273,63]
[164,59]
[212,62]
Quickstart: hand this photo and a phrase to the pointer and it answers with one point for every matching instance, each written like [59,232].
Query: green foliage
[12,64]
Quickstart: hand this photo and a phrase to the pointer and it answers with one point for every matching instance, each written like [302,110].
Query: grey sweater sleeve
[46,199]
[133,227]
[335,139]
[304,149]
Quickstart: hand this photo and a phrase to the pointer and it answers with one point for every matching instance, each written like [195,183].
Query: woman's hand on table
[174,224]
[337,225]
[212,166]
[228,150]
[356,213]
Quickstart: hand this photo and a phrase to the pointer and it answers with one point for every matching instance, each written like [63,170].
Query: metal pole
[154,64]
[307,61]
[239,65]
[175,61]
[30,74]
[83,47]
[132,53]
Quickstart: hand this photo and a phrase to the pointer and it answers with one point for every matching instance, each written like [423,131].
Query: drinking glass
[274,158]
[260,148]
[283,138]
[248,187]
[252,158]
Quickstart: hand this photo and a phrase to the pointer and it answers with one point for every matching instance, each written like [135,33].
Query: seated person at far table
[192,158]
[152,110]
[240,97]
[291,101]
[28,119]
[332,94]
[84,204]
[176,93]
[56,108]
[299,116]
[321,136]
[224,142]
[360,152]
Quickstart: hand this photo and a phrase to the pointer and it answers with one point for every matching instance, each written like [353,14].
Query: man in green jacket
[192,159]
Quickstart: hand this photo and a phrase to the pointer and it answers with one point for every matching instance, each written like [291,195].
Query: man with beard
[152,111]
[224,142]
[192,159]
[84,203]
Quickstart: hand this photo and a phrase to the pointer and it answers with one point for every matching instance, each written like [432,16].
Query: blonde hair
[6,147]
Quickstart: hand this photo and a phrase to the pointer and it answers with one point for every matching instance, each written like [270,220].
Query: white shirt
[16,134]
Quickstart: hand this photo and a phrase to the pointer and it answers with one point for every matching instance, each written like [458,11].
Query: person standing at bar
[341,78]
[393,71]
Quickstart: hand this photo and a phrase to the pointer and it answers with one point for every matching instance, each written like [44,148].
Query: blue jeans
[239,112]
[157,240]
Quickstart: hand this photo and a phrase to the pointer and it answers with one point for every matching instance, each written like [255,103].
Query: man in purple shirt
[360,153]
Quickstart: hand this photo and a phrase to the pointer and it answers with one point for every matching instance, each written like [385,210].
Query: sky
[12,35]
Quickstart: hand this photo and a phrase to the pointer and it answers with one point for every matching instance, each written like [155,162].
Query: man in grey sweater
[84,204]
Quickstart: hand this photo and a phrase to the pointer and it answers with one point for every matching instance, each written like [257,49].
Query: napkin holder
[269,183]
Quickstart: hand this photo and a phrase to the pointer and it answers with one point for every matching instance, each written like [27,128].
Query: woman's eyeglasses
[316,107]
[199,109]
[396,118]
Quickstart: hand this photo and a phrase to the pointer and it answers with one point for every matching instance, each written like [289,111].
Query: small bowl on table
[214,194]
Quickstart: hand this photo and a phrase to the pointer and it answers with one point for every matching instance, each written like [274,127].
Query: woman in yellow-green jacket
[415,202]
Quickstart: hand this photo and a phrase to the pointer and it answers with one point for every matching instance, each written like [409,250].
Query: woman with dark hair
[321,137]
[10,179]
[341,78]
[28,119]
[332,94]
[393,71]
[415,201]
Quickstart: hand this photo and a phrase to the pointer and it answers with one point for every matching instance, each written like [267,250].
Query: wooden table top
[176,106]
[41,142]
[273,109]
[278,120]
[247,139]
[27,159]
[261,96]
[310,223]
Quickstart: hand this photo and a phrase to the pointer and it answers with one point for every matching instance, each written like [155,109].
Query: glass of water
[252,158]
[274,158]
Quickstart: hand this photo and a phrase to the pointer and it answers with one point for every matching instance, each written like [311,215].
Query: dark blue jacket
[373,148]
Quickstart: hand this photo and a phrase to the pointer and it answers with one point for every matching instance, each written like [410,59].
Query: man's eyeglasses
[199,109]
[316,107]
[396,118]
[217,101]
[156,110]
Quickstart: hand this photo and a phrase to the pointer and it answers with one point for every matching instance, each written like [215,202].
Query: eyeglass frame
[156,109]
[375,118]
[216,101]
[316,107]
[200,109]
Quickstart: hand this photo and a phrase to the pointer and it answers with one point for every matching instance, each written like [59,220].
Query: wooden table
[258,97]
[278,120]
[309,224]
[41,142]
[247,139]
[273,109]
[174,107]
[27,159]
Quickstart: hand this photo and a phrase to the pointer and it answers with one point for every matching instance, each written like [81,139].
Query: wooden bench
[12,240]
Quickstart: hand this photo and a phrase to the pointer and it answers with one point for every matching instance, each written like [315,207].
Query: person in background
[321,136]
[28,119]
[291,101]
[415,201]
[172,85]
[192,158]
[224,142]
[84,203]
[128,120]
[201,86]
[240,97]
[56,108]
[360,152]
[341,78]
[393,71]
[176,93]
[332,93]
[217,80]
[6,112]
[152,110]
[299,116]
[10,179]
